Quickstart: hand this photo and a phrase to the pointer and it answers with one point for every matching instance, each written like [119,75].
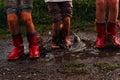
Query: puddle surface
[83,49]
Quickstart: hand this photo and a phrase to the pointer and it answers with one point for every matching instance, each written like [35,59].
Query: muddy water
[83,49]
[6,47]
[87,52]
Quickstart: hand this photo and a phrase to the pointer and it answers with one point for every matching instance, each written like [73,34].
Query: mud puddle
[81,62]
[83,49]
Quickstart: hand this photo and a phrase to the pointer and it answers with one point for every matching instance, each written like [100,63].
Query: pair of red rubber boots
[107,35]
[18,50]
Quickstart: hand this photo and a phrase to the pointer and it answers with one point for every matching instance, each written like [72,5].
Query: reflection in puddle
[58,57]
[109,52]
[88,52]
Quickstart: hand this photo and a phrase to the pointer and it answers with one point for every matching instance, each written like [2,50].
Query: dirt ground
[82,62]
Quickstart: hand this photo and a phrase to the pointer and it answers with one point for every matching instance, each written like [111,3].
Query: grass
[86,25]
[105,66]
[74,68]
[4,33]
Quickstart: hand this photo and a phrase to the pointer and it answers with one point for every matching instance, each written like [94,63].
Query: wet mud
[80,62]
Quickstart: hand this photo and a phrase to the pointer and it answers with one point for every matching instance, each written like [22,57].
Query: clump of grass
[74,68]
[110,67]
[99,64]
[105,66]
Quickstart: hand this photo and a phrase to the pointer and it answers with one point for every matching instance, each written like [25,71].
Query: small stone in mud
[4,73]
[34,74]
[19,76]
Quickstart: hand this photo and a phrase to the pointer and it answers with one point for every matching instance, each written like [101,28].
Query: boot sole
[100,47]
[35,57]
[12,59]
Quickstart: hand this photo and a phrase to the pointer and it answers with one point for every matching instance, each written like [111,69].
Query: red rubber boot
[34,51]
[112,34]
[101,33]
[17,50]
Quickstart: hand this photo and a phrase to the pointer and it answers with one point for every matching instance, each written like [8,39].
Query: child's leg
[27,20]
[55,12]
[26,7]
[67,14]
[112,24]
[100,23]
[30,28]
[100,11]
[66,30]
[56,34]
[113,10]
[12,19]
